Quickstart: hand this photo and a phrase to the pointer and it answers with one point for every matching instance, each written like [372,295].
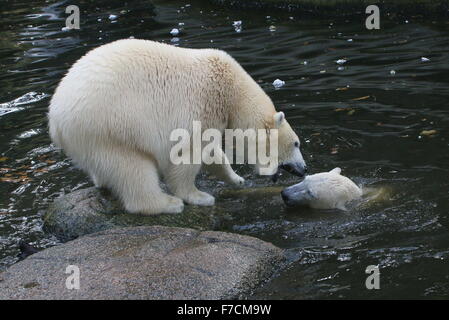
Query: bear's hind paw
[175,205]
[172,205]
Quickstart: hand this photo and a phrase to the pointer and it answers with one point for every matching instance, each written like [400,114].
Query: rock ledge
[152,262]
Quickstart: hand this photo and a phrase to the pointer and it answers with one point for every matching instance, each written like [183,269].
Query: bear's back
[135,91]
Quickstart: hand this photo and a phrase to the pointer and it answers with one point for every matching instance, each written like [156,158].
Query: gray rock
[91,210]
[146,263]
[78,213]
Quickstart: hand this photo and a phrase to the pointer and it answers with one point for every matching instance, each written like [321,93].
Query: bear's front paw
[200,198]
[237,180]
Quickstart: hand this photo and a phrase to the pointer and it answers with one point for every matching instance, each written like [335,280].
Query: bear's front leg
[181,181]
[224,171]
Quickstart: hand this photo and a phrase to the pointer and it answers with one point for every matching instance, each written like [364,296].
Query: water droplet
[278,83]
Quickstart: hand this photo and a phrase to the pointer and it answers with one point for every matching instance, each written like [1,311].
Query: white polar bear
[115,109]
[325,190]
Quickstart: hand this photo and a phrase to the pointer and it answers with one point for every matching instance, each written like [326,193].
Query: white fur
[325,190]
[115,109]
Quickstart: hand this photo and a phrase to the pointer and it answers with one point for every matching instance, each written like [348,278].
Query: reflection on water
[370,116]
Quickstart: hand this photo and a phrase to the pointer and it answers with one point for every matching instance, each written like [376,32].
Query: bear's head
[324,190]
[287,145]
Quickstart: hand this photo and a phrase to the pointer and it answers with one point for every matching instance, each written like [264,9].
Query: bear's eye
[296,144]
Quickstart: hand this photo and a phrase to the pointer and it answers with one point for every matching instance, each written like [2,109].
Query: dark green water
[376,140]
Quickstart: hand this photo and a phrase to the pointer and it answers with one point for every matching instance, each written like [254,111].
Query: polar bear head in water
[325,190]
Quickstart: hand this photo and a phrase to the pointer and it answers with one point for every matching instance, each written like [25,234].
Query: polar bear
[114,110]
[325,190]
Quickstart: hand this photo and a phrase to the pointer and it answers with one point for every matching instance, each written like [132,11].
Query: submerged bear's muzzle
[293,195]
[297,194]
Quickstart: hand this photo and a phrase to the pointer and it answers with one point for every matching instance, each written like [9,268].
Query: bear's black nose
[284,196]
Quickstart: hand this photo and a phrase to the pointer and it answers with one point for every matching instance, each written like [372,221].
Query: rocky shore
[124,256]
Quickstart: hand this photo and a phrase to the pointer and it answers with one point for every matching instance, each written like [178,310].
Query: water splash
[19,103]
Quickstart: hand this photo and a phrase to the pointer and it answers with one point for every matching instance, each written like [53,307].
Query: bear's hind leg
[181,181]
[134,178]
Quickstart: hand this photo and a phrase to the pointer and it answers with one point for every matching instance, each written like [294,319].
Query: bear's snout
[289,196]
[297,169]
[285,197]
[297,194]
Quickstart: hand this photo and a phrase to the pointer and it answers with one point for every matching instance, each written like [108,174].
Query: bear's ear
[335,170]
[278,118]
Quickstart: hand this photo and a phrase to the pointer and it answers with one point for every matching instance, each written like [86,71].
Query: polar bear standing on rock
[115,109]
